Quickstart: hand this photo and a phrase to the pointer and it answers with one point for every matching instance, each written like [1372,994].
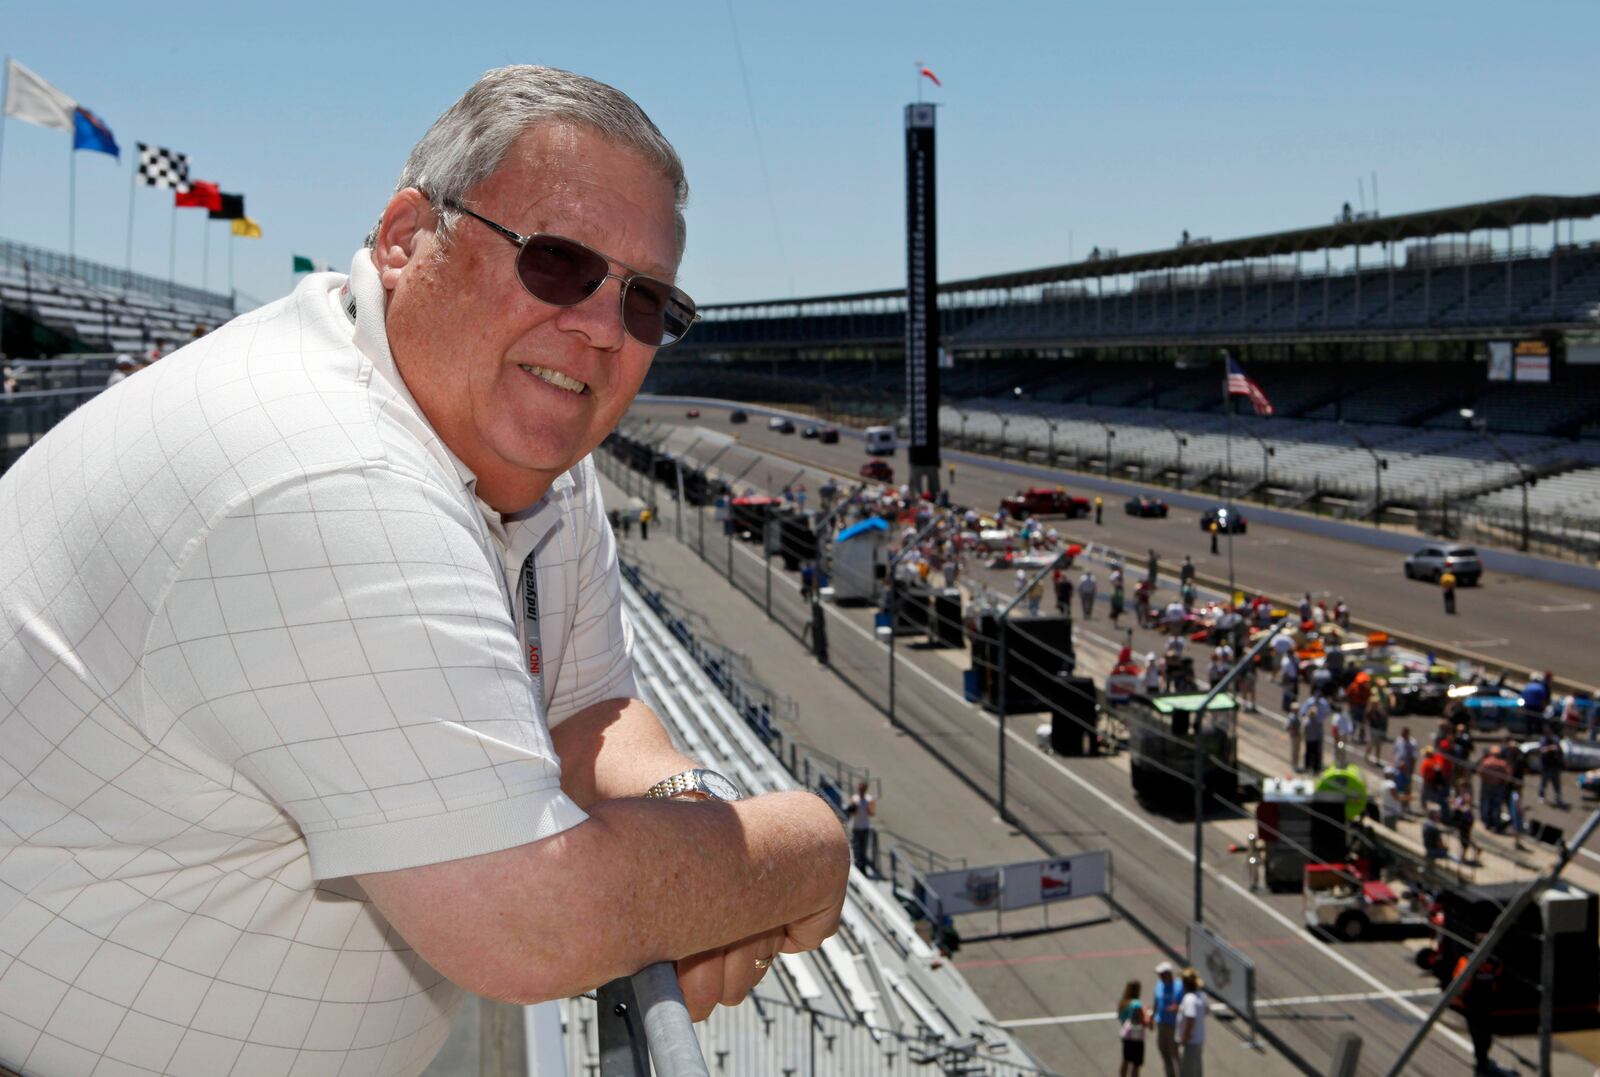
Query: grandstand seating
[93,306]
[1524,289]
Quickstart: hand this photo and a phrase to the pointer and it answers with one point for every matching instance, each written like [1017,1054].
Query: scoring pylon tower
[922,302]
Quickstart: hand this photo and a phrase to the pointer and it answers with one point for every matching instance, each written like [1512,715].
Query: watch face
[718,786]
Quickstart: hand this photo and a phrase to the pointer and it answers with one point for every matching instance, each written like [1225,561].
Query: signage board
[1228,974]
[1005,887]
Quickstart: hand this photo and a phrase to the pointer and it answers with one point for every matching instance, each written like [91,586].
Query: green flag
[302,264]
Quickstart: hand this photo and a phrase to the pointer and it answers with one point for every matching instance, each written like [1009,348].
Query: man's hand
[726,975]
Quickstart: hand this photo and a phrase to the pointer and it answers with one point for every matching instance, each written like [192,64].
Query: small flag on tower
[927,74]
[160,167]
[1238,383]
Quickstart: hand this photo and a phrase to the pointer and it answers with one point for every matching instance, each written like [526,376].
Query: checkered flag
[160,167]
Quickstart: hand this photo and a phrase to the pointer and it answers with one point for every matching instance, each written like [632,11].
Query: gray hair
[467,144]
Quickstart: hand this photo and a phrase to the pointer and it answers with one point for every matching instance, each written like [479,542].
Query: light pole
[1526,477]
[1379,466]
[1110,433]
[1267,451]
[1181,442]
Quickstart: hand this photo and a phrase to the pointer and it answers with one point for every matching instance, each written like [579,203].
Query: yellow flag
[244,226]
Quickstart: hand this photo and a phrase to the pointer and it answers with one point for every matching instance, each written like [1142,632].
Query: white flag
[31,98]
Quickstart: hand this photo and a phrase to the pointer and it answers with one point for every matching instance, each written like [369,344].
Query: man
[1447,587]
[1099,509]
[1477,1004]
[1494,779]
[1405,764]
[1164,1008]
[315,691]
[1192,1024]
[1343,730]
[1214,529]
[862,808]
[1086,590]
[1186,573]
[1551,763]
[1313,716]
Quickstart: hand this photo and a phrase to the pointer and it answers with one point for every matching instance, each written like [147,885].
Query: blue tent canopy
[875,523]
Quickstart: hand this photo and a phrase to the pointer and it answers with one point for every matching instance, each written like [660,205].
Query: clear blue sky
[1117,124]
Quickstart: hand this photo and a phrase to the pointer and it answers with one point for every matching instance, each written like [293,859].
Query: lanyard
[528,588]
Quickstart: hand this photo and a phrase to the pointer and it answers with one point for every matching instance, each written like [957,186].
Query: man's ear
[408,221]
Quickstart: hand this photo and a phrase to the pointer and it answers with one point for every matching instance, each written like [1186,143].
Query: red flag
[200,195]
[929,74]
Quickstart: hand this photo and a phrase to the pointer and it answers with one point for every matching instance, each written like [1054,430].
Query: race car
[878,470]
[828,435]
[1139,505]
[1227,520]
[809,433]
[692,413]
[1044,501]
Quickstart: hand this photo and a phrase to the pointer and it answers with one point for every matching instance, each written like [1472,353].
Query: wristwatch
[697,784]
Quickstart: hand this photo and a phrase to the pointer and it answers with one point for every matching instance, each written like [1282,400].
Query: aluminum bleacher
[98,307]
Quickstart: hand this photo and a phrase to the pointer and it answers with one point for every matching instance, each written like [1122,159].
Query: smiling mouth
[556,378]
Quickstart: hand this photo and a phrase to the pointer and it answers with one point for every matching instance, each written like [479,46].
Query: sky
[1062,125]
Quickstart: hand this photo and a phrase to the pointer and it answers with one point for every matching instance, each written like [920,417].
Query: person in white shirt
[862,808]
[317,703]
[1343,729]
[1192,1013]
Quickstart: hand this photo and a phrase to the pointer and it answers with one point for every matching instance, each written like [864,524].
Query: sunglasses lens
[655,313]
[558,271]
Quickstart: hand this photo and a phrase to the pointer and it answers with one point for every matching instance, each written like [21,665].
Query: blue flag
[89,132]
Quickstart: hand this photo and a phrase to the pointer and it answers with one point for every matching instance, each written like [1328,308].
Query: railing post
[623,1050]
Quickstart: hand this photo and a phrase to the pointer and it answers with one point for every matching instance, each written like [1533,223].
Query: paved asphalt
[1079,804]
[1526,623]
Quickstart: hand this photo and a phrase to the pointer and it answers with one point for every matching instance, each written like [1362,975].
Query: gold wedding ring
[763,962]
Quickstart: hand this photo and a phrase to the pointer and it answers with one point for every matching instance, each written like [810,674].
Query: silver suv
[1430,562]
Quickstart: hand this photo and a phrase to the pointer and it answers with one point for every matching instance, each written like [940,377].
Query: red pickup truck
[1044,501]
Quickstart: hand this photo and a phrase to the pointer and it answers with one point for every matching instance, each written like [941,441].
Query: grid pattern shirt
[255,638]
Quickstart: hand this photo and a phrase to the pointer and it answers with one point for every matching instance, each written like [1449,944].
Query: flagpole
[172,248]
[205,253]
[1227,402]
[5,103]
[230,260]
[133,187]
[72,203]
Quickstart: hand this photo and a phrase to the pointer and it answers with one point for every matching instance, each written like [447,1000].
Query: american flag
[1238,383]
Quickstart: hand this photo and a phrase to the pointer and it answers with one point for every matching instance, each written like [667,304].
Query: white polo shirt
[256,637]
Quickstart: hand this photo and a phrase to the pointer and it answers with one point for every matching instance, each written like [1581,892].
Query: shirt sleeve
[341,646]
[597,662]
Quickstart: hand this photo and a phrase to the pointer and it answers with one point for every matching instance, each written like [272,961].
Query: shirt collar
[362,301]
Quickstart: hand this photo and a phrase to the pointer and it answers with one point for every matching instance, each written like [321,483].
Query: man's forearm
[639,882]
[616,748]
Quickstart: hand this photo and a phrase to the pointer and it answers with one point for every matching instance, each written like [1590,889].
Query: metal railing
[771,1036]
[100,275]
[642,1021]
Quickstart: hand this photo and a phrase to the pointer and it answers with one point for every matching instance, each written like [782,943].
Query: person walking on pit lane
[1314,718]
[1165,1004]
[1117,601]
[1132,1021]
[1192,1013]
[1152,569]
[1099,509]
[1447,587]
[1214,529]
[1551,763]
[1063,593]
[1086,589]
[1186,573]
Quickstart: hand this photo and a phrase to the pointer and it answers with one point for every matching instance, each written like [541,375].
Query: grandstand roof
[1365,230]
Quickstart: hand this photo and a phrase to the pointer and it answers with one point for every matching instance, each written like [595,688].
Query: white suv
[1430,562]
